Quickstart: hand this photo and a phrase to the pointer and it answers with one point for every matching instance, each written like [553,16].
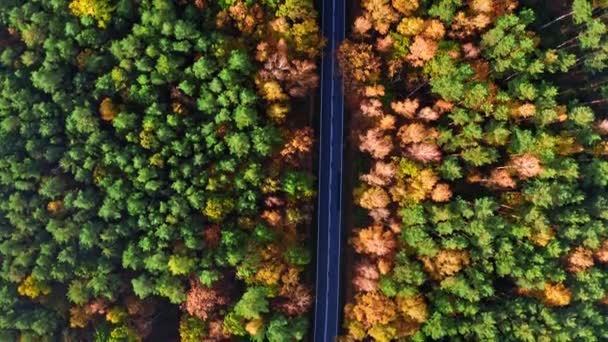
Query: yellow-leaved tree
[100,10]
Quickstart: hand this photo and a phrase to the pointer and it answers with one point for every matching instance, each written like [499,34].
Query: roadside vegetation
[482,180]
[156,169]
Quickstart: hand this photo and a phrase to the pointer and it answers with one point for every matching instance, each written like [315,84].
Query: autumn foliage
[480,187]
[159,176]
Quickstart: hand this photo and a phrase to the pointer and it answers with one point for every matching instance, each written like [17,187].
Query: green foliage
[450,169]
[281,328]
[444,9]
[582,116]
[102,204]
[582,11]
[208,278]
[238,144]
[297,255]
[500,137]
[181,265]
[191,329]
[447,78]
[298,185]
[508,43]
[234,325]
[123,334]
[592,35]
[253,303]
[78,293]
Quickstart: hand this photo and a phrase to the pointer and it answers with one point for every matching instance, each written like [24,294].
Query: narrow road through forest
[329,241]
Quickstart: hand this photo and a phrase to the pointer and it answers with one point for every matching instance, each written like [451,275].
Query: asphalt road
[328,304]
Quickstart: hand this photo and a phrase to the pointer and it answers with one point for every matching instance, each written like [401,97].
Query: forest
[480,171]
[156,170]
[159,170]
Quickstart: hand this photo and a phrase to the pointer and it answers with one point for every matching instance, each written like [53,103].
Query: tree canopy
[143,154]
[482,181]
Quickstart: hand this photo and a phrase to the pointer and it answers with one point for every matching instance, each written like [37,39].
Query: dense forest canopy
[156,170]
[156,160]
[482,179]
